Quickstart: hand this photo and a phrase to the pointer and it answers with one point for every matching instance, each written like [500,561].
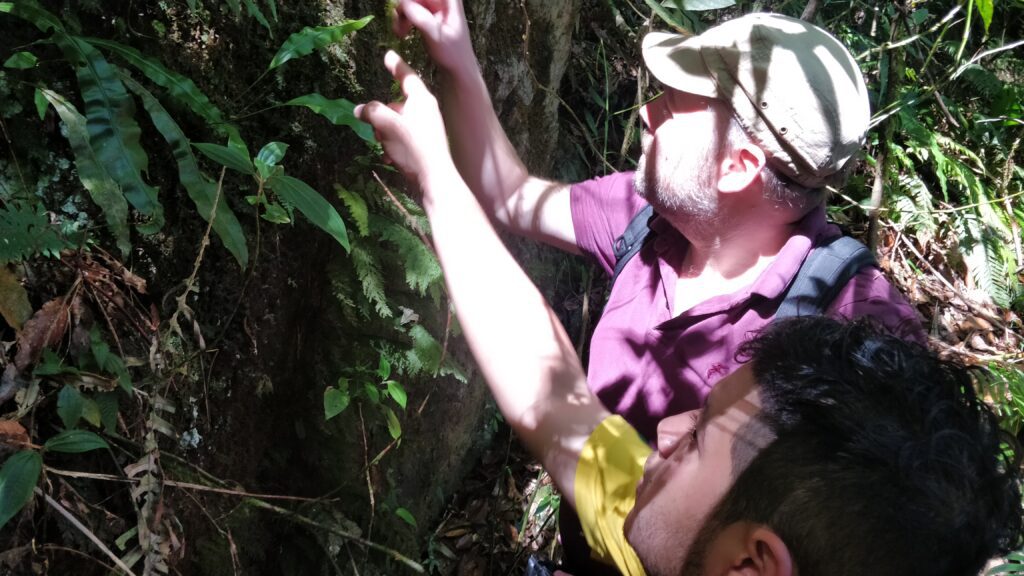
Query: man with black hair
[833,449]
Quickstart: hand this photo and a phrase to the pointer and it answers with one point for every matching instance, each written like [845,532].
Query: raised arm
[522,350]
[524,204]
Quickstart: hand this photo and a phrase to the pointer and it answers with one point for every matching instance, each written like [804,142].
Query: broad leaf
[985,8]
[75,441]
[91,412]
[31,11]
[21,61]
[311,204]
[42,104]
[268,157]
[335,402]
[383,368]
[179,87]
[407,516]
[394,426]
[273,9]
[201,189]
[227,156]
[371,392]
[113,132]
[304,42]
[14,304]
[397,393]
[102,188]
[18,479]
[665,15]
[338,112]
[70,405]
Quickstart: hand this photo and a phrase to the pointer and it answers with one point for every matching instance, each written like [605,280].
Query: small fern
[368,271]
[25,232]
[421,266]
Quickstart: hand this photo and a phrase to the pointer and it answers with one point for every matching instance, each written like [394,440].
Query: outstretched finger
[406,77]
[413,14]
[382,117]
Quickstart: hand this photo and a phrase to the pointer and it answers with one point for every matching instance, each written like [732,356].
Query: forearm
[521,348]
[485,157]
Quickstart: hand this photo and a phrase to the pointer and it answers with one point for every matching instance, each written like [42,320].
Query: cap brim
[676,62]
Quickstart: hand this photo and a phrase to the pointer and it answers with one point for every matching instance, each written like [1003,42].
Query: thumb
[383,119]
[419,16]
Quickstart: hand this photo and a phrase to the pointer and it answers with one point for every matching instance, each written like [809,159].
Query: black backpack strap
[824,273]
[632,240]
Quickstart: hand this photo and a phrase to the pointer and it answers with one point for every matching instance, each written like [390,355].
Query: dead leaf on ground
[45,329]
[13,434]
[14,304]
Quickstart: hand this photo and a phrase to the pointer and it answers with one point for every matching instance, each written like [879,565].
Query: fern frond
[425,355]
[26,232]
[356,208]
[420,265]
[368,271]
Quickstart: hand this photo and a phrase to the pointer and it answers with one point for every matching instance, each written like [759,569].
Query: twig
[394,554]
[895,70]
[78,553]
[369,483]
[176,484]
[809,11]
[890,45]
[85,531]
[408,217]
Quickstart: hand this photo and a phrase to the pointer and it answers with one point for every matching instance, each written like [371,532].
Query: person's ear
[764,554]
[740,168]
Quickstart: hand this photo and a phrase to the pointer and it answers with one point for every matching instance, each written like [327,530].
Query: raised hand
[411,132]
[442,23]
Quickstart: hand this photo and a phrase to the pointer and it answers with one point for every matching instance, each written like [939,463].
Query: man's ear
[764,554]
[740,168]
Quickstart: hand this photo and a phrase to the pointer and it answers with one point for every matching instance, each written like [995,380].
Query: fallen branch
[85,531]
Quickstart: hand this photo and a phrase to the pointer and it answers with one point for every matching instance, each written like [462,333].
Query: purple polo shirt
[646,364]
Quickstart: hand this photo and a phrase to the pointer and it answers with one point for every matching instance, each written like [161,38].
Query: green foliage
[21,61]
[18,478]
[26,232]
[312,205]
[406,516]
[339,112]
[76,442]
[1014,564]
[309,39]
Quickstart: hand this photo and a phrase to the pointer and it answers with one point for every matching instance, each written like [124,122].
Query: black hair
[885,461]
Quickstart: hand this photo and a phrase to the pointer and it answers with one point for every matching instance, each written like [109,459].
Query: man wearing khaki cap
[756,117]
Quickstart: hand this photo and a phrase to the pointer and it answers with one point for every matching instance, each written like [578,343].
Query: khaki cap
[794,88]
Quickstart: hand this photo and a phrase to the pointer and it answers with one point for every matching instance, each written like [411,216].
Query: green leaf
[312,205]
[91,412]
[108,404]
[370,279]
[425,355]
[256,13]
[14,304]
[227,156]
[101,187]
[356,208]
[407,516]
[273,9]
[394,426]
[41,103]
[201,190]
[31,11]
[50,365]
[339,112]
[397,393]
[372,393]
[268,158]
[985,8]
[304,42]
[335,402]
[383,368]
[70,405]
[275,213]
[113,132]
[665,15]
[21,61]
[421,266]
[179,87]
[18,479]
[75,442]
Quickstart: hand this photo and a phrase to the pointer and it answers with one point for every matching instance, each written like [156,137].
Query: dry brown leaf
[13,434]
[14,304]
[45,329]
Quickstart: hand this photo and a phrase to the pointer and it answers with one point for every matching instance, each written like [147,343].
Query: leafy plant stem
[967,32]
[893,72]
[394,554]
[893,45]
[85,531]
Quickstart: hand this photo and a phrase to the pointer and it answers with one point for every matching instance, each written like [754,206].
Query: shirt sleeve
[601,210]
[869,293]
[607,475]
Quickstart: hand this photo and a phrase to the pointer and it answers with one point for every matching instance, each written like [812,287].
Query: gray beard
[691,207]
